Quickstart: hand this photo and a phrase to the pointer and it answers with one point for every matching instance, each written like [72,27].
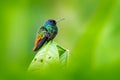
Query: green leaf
[51,53]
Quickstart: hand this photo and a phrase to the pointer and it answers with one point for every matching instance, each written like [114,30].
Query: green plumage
[46,33]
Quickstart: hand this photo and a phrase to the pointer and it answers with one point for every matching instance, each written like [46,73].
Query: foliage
[50,54]
[91,31]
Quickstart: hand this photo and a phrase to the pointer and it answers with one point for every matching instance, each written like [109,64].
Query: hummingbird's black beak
[60,20]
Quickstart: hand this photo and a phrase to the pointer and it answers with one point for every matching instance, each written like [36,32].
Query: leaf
[49,54]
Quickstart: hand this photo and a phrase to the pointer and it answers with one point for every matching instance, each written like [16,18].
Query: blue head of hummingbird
[46,33]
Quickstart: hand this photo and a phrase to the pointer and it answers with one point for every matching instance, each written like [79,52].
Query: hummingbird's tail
[40,44]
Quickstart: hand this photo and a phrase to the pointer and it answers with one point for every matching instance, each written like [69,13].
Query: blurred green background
[91,31]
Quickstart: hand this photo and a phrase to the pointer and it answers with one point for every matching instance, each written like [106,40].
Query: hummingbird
[46,33]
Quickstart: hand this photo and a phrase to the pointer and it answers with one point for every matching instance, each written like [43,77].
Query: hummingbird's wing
[42,36]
